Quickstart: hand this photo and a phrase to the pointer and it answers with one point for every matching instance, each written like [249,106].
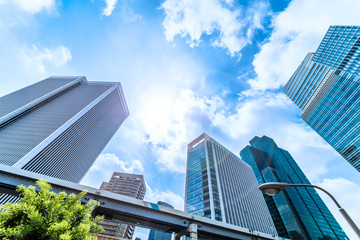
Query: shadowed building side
[58,127]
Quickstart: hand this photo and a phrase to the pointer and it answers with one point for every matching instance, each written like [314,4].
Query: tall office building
[157,235]
[131,185]
[326,88]
[298,213]
[222,187]
[57,127]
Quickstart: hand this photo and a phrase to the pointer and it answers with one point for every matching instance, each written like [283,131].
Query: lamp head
[273,188]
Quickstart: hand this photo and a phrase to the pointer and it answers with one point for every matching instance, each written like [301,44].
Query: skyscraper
[326,88]
[298,213]
[157,235]
[222,187]
[131,185]
[58,126]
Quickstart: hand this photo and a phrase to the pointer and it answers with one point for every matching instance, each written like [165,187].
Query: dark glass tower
[326,88]
[298,213]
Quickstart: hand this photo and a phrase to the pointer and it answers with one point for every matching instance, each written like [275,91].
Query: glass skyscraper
[326,88]
[57,127]
[222,187]
[298,213]
[157,235]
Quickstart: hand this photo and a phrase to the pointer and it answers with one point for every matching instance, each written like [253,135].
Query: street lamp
[274,188]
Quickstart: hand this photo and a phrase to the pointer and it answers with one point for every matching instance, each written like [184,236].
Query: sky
[186,67]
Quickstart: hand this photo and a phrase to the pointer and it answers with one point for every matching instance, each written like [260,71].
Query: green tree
[47,215]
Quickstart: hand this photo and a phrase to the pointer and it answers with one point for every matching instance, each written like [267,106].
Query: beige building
[131,185]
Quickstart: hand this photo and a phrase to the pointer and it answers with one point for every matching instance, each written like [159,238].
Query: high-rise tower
[131,185]
[298,213]
[222,187]
[58,126]
[326,88]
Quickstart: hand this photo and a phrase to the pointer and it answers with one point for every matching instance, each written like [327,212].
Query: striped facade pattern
[57,127]
[326,88]
[340,49]
[224,188]
[5,198]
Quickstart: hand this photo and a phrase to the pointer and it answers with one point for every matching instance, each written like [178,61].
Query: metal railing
[134,211]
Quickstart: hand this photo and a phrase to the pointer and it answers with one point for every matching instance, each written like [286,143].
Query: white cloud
[108,163]
[169,197]
[347,193]
[141,233]
[21,62]
[298,30]
[127,13]
[155,81]
[110,6]
[39,59]
[168,125]
[246,116]
[232,26]
[110,159]
[32,6]
[255,16]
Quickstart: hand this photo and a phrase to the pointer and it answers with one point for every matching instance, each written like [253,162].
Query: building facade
[157,235]
[298,213]
[131,185]
[222,187]
[57,127]
[326,88]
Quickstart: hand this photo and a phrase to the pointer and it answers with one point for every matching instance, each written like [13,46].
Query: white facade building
[220,186]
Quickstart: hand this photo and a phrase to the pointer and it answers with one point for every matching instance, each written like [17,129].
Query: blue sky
[187,67]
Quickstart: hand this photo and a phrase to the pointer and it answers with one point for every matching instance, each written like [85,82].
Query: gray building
[57,127]
[157,235]
[220,186]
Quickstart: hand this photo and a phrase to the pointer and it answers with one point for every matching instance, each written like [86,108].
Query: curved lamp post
[274,188]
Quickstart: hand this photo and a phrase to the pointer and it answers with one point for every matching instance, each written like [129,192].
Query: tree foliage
[47,215]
